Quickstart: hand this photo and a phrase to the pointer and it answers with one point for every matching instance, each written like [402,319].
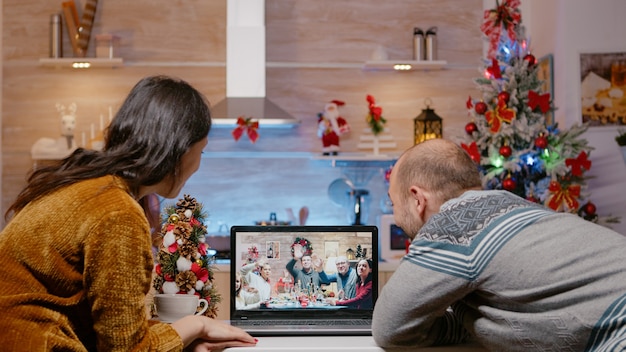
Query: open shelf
[81,62]
[404,65]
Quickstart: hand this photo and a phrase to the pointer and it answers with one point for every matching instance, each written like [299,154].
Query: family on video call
[306,280]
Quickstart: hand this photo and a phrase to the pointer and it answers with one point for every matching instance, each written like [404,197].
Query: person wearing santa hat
[331,126]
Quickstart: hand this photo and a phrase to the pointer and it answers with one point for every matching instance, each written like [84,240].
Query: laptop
[296,301]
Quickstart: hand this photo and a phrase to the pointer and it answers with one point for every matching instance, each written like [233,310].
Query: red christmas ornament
[504,96]
[589,208]
[471,128]
[509,183]
[480,107]
[532,199]
[530,59]
[541,142]
[506,151]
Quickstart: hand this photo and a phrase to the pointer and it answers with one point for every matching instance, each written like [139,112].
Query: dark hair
[159,120]
[369,275]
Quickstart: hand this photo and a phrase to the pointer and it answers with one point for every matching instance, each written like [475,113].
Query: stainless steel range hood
[245,70]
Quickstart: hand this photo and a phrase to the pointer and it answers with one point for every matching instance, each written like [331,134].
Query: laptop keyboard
[301,322]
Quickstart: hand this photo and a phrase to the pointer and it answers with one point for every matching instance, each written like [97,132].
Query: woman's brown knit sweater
[76,267]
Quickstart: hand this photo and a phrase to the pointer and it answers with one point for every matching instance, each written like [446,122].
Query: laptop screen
[291,272]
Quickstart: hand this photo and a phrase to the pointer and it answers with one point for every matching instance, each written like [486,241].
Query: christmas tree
[183,263]
[508,136]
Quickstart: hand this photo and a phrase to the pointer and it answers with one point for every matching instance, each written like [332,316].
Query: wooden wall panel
[307,44]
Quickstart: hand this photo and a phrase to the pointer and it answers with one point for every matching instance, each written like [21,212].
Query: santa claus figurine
[331,126]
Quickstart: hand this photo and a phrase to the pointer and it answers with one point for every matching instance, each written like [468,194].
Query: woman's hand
[202,333]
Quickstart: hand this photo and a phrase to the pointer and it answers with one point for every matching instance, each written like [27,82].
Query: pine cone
[184,204]
[186,281]
[188,250]
[182,231]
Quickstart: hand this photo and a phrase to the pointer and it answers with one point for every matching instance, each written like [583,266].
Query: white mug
[171,307]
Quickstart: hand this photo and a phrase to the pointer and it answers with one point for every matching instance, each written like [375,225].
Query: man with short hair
[345,277]
[312,275]
[514,275]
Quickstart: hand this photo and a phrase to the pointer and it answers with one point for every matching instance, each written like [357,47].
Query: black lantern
[427,125]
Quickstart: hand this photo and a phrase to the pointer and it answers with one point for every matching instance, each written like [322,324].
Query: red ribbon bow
[561,196]
[498,115]
[578,164]
[506,15]
[472,150]
[246,125]
[539,100]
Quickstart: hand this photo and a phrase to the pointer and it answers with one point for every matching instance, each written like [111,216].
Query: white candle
[93,134]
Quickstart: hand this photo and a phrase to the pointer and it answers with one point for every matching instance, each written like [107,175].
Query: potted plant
[621,141]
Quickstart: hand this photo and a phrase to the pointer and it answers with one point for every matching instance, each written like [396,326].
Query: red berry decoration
[589,208]
[506,151]
[471,128]
[530,59]
[480,108]
[504,96]
[509,183]
[541,142]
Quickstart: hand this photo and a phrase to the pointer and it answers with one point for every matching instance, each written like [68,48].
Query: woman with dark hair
[363,298]
[76,252]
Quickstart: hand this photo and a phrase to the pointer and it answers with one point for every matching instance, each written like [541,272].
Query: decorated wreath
[304,243]
[183,266]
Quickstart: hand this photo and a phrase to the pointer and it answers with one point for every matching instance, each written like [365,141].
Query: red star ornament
[578,164]
[539,100]
[498,115]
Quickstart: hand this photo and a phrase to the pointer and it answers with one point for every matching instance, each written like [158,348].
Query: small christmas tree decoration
[183,264]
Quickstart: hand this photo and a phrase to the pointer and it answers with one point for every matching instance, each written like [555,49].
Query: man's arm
[413,308]
[290,267]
